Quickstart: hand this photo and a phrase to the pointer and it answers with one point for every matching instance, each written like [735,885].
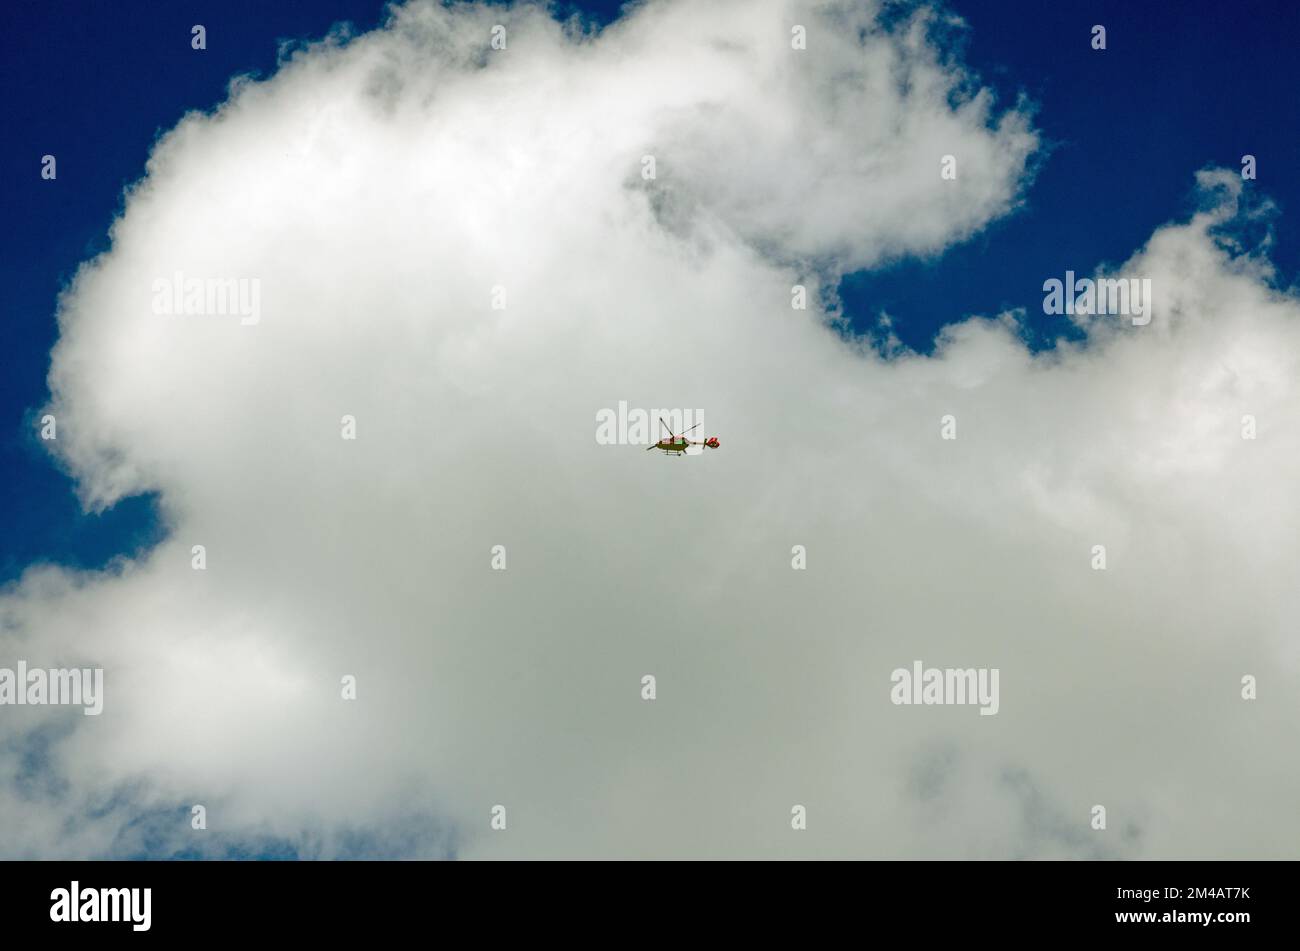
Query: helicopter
[676,445]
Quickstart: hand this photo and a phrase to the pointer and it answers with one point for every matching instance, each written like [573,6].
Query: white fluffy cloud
[379,187]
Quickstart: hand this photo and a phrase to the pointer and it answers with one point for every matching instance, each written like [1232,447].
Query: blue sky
[1125,130]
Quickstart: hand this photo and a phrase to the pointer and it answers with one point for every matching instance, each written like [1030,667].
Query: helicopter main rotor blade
[685,431]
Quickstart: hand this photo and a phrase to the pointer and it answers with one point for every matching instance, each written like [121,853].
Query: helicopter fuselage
[674,446]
